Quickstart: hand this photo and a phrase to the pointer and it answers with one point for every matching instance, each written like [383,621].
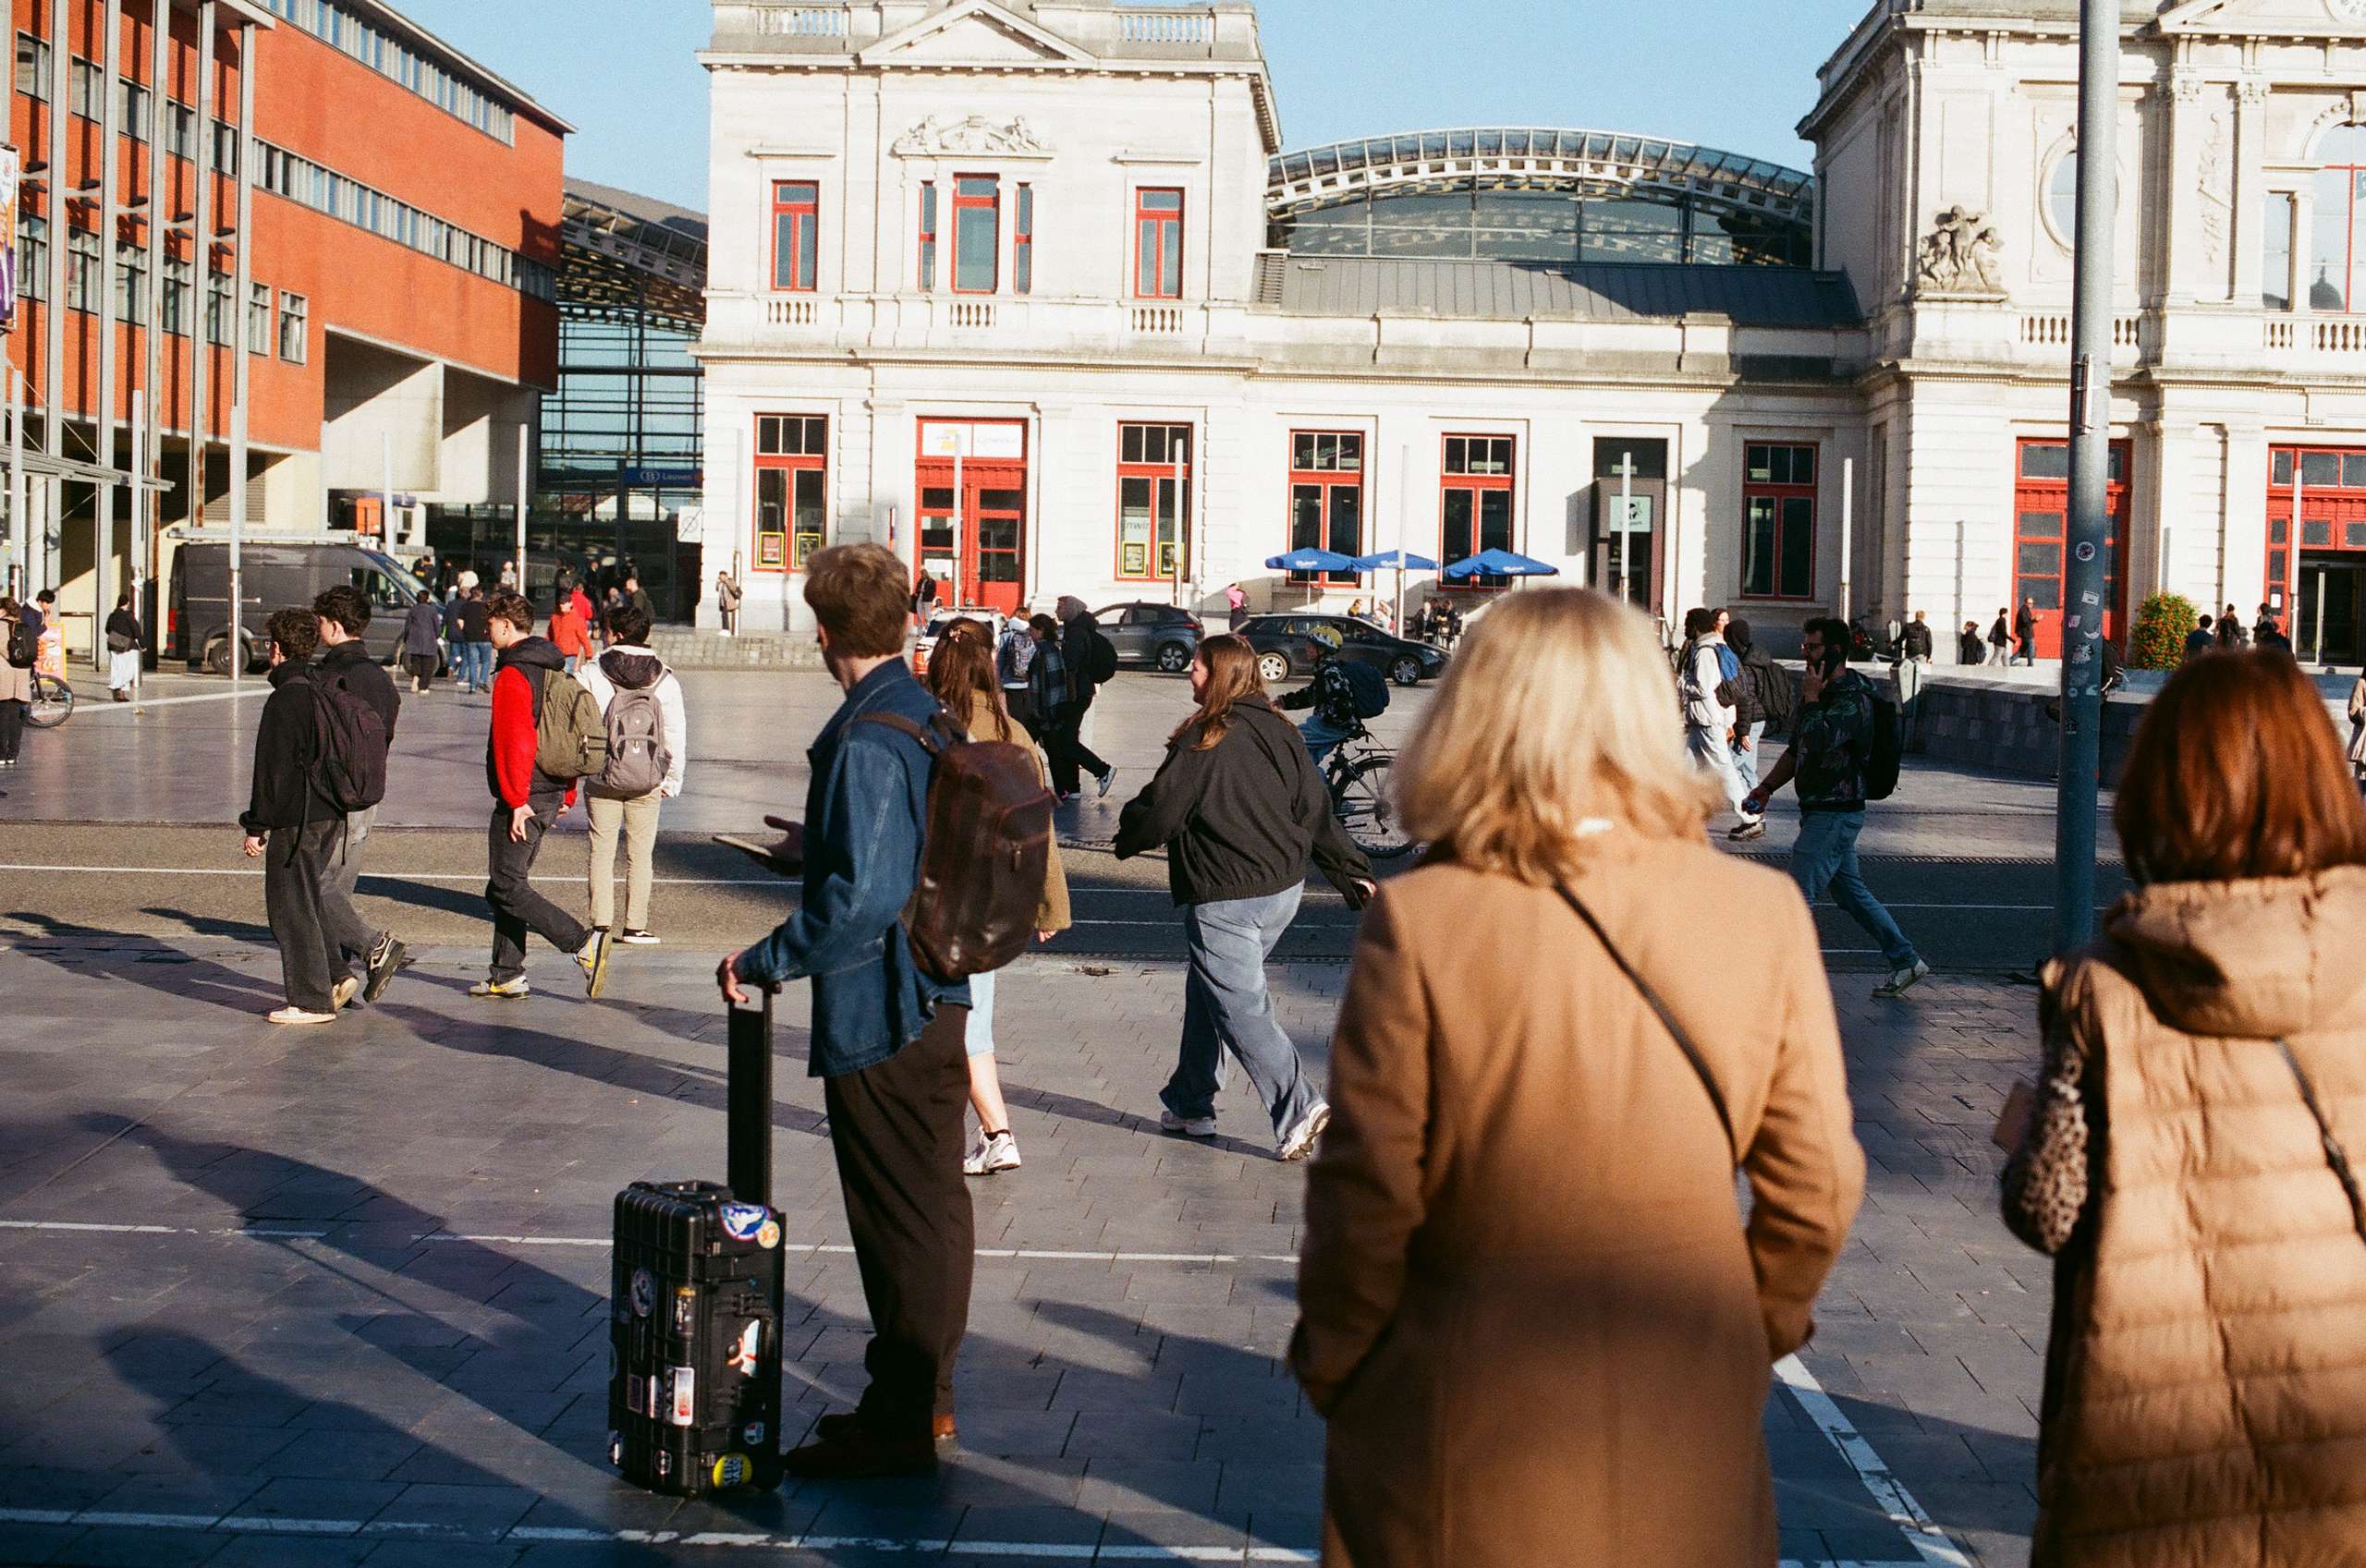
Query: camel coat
[2206,1381]
[1531,1311]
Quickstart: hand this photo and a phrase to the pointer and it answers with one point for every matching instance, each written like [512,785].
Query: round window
[2061,205]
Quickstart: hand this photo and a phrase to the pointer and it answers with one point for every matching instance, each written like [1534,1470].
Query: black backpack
[349,755]
[1101,663]
[24,648]
[1887,746]
[1366,688]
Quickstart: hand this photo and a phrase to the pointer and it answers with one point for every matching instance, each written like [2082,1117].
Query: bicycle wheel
[1366,810]
[51,705]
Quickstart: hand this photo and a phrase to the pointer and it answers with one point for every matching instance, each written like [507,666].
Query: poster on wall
[771,552]
[11,168]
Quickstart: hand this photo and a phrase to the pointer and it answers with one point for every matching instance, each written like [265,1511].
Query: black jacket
[1969,650]
[476,621]
[350,666]
[1077,637]
[123,623]
[1917,639]
[286,741]
[1240,819]
[1329,694]
[423,626]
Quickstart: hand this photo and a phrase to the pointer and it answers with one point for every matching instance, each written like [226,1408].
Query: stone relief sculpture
[975,134]
[2215,186]
[1960,256]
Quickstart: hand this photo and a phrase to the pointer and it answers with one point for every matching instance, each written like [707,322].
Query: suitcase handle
[747,1101]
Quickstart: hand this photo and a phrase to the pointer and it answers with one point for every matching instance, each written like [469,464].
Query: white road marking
[249,1232]
[569,1534]
[86,706]
[1889,1494]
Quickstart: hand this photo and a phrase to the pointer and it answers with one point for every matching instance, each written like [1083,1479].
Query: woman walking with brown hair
[961,676]
[1239,809]
[1531,1310]
[2189,1165]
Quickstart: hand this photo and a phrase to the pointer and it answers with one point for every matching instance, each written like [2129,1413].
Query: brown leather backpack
[987,847]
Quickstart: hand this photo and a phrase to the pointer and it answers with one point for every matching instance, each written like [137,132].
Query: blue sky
[1727,73]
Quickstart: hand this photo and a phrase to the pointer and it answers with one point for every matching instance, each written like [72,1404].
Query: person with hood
[293,829]
[526,804]
[423,626]
[123,643]
[648,738]
[2192,1156]
[1064,726]
[1239,808]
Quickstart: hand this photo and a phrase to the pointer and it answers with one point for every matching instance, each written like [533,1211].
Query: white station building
[1038,295]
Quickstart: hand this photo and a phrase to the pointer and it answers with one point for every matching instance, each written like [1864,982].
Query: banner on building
[11,169]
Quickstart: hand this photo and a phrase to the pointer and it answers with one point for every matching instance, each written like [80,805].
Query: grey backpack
[638,760]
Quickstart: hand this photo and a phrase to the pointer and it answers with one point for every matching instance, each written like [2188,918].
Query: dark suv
[1161,636]
[1290,646]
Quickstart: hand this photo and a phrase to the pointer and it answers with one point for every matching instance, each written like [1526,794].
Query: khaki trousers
[638,819]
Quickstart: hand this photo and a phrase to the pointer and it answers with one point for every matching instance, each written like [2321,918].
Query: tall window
[2336,257]
[1327,497]
[2275,254]
[293,309]
[217,311]
[928,236]
[32,67]
[81,270]
[1158,244]
[175,297]
[1154,501]
[32,256]
[792,490]
[130,284]
[1778,521]
[797,234]
[1022,241]
[258,317]
[1477,509]
[977,233]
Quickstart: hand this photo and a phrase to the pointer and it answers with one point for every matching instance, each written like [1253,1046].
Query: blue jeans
[481,665]
[1322,738]
[1225,1006]
[1746,761]
[978,1033]
[1824,858]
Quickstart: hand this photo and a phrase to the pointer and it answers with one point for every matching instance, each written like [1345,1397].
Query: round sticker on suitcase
[644,1293]
[731,1470]
[742,1221]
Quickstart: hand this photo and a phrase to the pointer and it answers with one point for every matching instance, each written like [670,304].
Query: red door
[973,512]
[2040,530]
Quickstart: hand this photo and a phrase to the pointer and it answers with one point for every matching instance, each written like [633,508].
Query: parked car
[274,574]
[939,619]
[1290,646]
[1162,637]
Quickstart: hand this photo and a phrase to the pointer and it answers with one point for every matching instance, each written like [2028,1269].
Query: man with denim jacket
[887,1041]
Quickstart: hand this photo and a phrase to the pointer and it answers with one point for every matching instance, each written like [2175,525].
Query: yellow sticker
[731,1470]
[768,1237]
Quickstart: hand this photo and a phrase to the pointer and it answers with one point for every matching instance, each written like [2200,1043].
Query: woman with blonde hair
[2193,1165]
[961,676]
[1239,809]
[1530,1309]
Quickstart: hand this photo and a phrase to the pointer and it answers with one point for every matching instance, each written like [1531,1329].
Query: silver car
[1159,637]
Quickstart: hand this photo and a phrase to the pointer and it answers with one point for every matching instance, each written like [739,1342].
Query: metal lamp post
[2090,521]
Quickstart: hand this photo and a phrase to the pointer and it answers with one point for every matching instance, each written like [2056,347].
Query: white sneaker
[995,1152]
[1299,1142]
[301,1015]
[1189,1126]
[593,961]
[1903,980]
[1108,781]
[342,996]
[636,936]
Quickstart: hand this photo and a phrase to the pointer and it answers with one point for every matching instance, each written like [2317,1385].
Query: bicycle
[1357,772]
[52,702]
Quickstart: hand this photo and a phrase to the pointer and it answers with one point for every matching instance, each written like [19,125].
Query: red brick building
[378,217]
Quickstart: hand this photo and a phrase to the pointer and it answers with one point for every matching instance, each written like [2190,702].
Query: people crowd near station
[1475,1148]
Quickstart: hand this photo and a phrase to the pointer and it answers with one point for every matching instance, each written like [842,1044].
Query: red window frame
[928,236]
[798,219]
[1158,229]
[1454,479]
[2335,513]
[1022,239]
[1769,475]
[791,445]
[1169,512]
[2040,535]
[1310,469]
[964,206]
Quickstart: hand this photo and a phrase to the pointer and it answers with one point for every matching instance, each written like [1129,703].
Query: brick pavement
[350,1304]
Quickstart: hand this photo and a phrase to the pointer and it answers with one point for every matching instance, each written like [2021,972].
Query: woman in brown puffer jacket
[2205,1067]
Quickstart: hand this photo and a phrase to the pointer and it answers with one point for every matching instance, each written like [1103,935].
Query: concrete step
[746,651]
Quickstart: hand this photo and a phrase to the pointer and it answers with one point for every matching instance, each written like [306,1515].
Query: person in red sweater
[526,803]
[569,633]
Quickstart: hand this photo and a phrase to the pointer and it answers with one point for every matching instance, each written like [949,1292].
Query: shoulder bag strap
[1668,1019]
[2335,1156]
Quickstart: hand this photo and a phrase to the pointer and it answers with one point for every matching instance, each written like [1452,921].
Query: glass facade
[1479,222]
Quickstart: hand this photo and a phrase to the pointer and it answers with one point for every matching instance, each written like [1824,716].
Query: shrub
[2157,641]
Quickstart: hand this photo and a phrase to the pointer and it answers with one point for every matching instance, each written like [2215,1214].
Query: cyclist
[1343,695]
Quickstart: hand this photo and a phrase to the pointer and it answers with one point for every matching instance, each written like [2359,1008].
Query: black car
[1290,646]
[1161,636]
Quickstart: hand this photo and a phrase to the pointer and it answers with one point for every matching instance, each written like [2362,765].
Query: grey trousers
[340,878]
[1225,1007]
[295,893]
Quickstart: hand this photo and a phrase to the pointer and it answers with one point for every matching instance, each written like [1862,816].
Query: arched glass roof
[1539,196]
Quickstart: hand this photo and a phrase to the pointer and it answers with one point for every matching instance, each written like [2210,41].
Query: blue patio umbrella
[1501,563]
[1312,560]
[1396,561]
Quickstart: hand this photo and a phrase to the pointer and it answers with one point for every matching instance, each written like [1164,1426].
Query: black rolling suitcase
[695,1299]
